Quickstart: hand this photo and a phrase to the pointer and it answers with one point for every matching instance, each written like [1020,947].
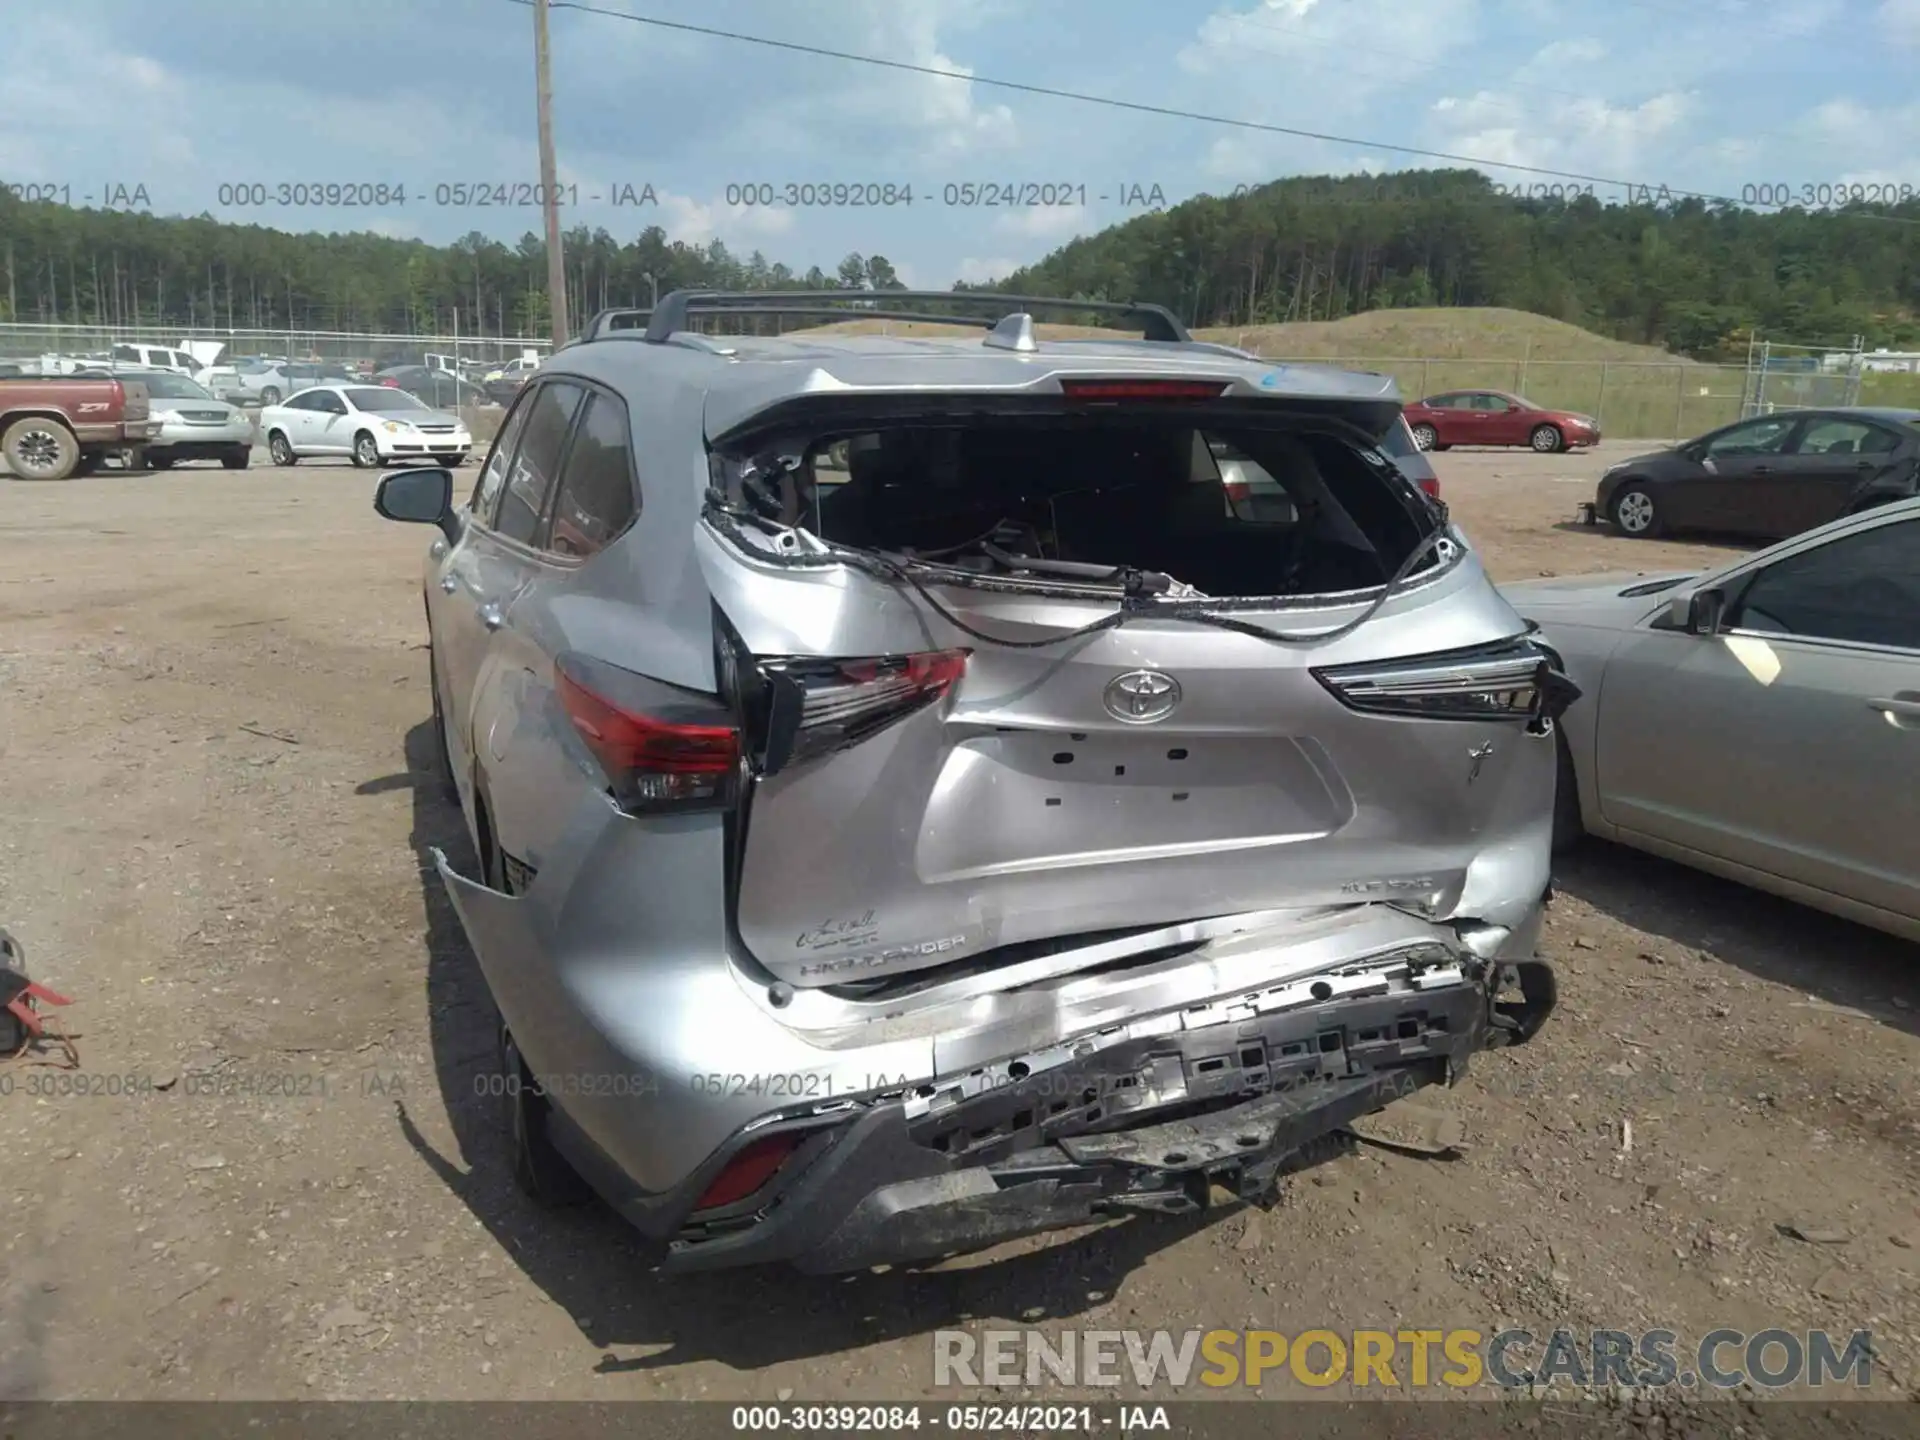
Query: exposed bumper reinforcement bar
[1152,1124]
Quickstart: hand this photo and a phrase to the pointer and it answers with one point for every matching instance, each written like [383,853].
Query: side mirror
[419,497]
[1696,612]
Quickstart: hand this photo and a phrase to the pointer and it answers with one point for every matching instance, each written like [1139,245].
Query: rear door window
[596,499]
[486,492]
[536,463]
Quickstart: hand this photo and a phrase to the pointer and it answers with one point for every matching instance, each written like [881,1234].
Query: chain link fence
[27,342]
[1641,400]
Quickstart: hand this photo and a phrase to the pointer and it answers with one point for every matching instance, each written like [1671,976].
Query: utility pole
[549,184]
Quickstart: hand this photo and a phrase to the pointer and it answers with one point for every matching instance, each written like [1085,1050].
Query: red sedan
[1493,417]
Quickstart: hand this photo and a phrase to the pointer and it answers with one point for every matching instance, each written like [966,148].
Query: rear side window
[596,499]
[127,354]
[486,493]
[536,463]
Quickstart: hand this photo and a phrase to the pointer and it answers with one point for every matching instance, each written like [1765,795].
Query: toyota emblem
[1141,697]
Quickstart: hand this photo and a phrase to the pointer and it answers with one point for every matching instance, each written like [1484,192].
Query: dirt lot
[215,799]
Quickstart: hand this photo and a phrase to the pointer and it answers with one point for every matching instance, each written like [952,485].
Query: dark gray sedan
[1770,477]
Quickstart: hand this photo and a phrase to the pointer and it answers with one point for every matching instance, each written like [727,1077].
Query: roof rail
[609,321]
[672,312]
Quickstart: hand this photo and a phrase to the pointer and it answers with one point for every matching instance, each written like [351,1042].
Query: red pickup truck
[55,426]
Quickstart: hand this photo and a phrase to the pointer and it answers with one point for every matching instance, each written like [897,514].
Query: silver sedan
[1761,721]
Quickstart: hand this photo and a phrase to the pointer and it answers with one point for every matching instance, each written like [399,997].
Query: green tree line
[120,269]
[1693,276]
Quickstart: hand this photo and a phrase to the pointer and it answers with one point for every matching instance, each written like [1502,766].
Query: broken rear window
[1231,510]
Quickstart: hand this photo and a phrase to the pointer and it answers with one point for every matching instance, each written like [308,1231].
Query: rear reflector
[657,750]
[824,705]
[1495,682]
[749,1171]
[1143,389]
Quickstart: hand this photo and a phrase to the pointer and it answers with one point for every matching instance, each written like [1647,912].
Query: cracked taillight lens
[1513,680]
[819,706]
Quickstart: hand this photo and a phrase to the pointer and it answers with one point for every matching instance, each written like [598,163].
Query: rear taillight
[749,1171]
[1143,389]
[1430,486]
[1514,680]
[818,706]
[660,747]
[390,382]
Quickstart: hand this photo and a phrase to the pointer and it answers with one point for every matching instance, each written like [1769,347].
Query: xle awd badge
[1140,697]
[1479,753]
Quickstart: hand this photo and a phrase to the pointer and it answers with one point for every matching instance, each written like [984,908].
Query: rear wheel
[1567,827]
[280,449]
[1425,437]
[539,1168]
[366,454]
[1546,439]
[238,458]
[37,448]
[1635,514]
[442,751]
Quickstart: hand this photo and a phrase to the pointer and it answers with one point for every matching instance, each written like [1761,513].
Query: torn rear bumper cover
[1151,1124]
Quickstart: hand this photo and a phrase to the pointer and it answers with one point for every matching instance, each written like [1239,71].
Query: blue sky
[187,95]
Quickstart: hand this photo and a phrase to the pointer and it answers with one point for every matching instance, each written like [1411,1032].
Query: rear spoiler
[670,316]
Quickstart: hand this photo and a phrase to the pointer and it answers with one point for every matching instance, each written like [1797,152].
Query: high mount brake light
[1496,682]
[659,749]
[1143,389]
[820,706]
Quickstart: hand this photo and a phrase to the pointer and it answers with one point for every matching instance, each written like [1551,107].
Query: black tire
[270,395]
[1546,440]
[1425,437]
[366,451]
[539,1169]
[37,448]
[1635,514]
[13,1032]
[238,459]
[449,789]
[280,449]
[159,462]
[1568,829]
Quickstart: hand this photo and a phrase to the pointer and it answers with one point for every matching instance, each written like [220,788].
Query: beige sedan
[1761,721]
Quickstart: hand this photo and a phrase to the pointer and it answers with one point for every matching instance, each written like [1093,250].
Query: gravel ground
[279,1179]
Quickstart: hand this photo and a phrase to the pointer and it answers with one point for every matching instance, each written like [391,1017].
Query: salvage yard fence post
[1600,405]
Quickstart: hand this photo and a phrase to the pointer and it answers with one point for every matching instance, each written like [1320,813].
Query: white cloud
[1314,65]
[1044,222]
[1582,136]
[1901,21]
[696,222]
[1558,56]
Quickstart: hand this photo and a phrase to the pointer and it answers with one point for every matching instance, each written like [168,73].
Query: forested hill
[120,269]
[1689,276]
[1686,275]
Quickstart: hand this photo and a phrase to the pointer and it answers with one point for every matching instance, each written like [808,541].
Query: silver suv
[917,806]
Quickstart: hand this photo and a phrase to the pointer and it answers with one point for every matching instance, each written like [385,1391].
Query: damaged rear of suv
[967,788]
